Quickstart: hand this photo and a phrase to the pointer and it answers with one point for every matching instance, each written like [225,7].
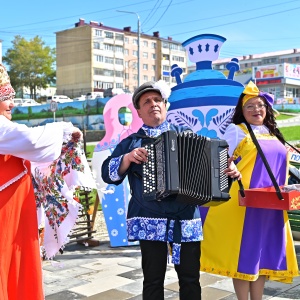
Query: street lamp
[139,35]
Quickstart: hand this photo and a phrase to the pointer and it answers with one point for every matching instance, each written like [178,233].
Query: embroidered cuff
[113,167]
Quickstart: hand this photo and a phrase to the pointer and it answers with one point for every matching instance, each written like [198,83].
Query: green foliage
[30,64]
[89,151]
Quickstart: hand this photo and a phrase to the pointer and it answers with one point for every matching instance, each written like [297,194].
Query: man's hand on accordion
[232,170]
[137,155]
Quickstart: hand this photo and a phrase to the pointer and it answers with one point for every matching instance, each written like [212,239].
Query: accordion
[187,165]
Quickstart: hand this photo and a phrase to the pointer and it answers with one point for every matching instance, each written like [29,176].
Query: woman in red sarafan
[20,261]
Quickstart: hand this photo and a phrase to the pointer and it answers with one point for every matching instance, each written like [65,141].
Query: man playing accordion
[158,224]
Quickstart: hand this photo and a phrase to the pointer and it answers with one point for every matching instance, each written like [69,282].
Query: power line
[239,21]
[89,13]
[229,14]
[161,16]
[153,10]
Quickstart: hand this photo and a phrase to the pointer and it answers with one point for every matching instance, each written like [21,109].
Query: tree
[30,64]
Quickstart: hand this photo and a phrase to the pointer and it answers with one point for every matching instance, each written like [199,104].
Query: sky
[250,27]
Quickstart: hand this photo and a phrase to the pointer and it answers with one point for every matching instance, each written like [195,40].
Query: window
[98,58]
[126,75]
[108,47]
[119,85]
[166,56]
[119,73]
[97,84]
[153,45]
[109,35]
[135,41]
[134,76]
[153,78]
[119,49]
[153,56]
[126,51]
[126,64]
[96,45]
[107,85]
[145,78]
[145,66]
[178,58]
[145,54]
[109,60]
[166,68]
[153,67]
[145,43]
[290,59]
[166,78]
[134,52]
[165,45]
[98,32]
[103,72]
[119,37]
[134,65]
[126,40]
[119,61]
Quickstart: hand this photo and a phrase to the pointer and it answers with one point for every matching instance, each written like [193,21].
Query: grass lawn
[284,117]
[291,133]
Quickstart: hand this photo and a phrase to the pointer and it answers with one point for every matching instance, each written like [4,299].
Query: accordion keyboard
[149,171]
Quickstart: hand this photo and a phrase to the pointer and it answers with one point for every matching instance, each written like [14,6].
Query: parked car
[93,95]
[25,102]
[30,102]
[80,98]
[110,92]
[59,99]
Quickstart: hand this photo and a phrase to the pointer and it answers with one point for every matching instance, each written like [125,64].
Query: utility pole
[139,42]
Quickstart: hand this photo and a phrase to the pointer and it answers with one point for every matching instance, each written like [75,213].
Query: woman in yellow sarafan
[251,244]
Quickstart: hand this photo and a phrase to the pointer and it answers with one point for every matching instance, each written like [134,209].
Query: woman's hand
[232,170]
[76,135]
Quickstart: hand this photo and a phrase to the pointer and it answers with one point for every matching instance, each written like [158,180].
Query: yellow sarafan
[242,242]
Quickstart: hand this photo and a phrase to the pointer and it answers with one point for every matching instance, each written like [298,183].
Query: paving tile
[50,277]
[209,279]
[135,287]
[101,262]
[57,266]
[111,295]
[172,287]
[224,284]
[102,285]
[134,274]
[65,295]
[134,263]
[214,294]
[106,271]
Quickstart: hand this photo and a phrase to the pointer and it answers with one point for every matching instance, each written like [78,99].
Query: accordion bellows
[188,166]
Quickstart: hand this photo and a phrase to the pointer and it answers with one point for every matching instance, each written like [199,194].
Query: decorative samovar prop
[205,99]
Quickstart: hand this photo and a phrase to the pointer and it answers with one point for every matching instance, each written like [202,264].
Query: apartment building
[92,57]
[276,72]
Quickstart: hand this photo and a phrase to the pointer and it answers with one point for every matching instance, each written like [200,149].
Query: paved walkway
[105,273]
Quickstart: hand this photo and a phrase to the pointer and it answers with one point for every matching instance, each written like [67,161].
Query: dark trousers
[154,265]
